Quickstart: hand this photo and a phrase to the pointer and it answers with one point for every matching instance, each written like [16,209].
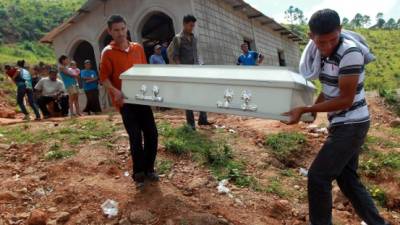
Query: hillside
[29,20]
[63,170]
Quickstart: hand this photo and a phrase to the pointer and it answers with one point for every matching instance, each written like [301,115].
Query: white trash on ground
[303,172]
[110,208]
[363,223]
[232,131]
[222,189]
[126,174]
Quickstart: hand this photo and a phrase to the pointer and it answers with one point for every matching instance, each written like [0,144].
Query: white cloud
[348,8]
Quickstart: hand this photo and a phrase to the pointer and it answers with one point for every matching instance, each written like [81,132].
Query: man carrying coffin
[342,73]
[116,58]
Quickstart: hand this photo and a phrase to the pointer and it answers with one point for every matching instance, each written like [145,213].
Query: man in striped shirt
[343,97]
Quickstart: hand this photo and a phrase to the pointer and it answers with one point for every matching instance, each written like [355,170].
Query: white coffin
[264,92]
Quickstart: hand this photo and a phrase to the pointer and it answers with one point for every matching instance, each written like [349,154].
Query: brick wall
[221,31]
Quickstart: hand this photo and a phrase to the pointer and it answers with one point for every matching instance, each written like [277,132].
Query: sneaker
[139,179]
[26,118]
[153,177]
[38,119]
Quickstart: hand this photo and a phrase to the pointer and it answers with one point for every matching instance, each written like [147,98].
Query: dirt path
[71,190]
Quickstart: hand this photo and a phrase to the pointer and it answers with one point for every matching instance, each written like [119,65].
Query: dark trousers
[93,103]
[191,121]
[338,160]
[60,105]
[140,124]
[21,92]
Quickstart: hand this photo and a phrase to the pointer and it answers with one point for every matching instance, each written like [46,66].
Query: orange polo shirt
[115,61]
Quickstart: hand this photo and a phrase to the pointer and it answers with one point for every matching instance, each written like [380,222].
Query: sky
[345,8]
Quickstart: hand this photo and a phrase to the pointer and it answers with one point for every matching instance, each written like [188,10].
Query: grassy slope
[385,71]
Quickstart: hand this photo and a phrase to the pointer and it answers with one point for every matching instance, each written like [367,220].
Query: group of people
[55,91]
[342,76]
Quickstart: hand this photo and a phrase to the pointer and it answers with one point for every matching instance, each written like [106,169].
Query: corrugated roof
[239,5]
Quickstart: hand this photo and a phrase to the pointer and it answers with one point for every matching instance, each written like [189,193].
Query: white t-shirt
[50,88]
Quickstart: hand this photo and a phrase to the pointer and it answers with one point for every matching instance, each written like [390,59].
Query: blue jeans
[21,92]
[338,160]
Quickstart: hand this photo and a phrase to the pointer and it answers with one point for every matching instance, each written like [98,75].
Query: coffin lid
[264,76]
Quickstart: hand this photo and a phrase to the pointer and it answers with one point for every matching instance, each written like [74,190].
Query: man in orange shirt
[116,58]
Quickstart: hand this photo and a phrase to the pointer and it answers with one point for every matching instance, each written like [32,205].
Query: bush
[286,146]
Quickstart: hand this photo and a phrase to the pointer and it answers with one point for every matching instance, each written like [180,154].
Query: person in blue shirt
[90,86]
[164,53]
[249,58]
[69,77]
[157,57]
[24,88]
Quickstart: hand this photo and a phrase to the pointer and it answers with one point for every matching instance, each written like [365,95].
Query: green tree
[366,21]
[345,21]
[29,20]
[295,15]
[357,21]
[380,22]
[390,24]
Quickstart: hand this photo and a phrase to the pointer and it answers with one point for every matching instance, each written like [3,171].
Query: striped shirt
[346,60]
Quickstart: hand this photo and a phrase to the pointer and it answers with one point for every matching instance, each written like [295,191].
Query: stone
[281,209]
[52,210]
[75,209]
[204,219]
[169,222]
[43,176]
[197,183]
[124,222]
[142,217]
[62,217]
[23,190]
[395,123]
[58,199]
[5,146]
[23,215]
[37,217]
[7,196]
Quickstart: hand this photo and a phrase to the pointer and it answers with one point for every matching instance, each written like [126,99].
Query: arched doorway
[83,51]
[157,28]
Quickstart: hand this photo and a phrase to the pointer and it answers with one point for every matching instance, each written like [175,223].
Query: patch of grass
[56,153]
[378,195]
[73,133]
[391,98]
[275,187]
[33,53]
[286,146]
[176,146]
[7,87]
[287,173]
[214,153]
[374,162]
[184,140]
[381,142]
[164,166]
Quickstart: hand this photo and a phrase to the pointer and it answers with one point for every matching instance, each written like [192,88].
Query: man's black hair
[115,19]
[7,67]
[62,58]
[324,21]
[21,63]
[189,18]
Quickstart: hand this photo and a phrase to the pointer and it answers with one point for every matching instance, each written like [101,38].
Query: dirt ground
[71,190]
